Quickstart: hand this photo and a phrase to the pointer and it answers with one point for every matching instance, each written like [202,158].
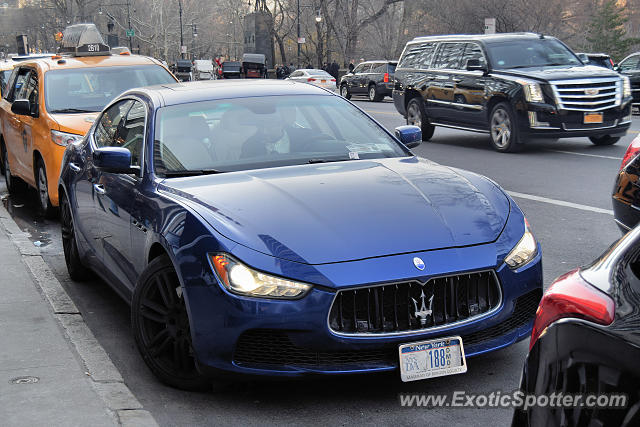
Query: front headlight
[242,280]
[524,251]
[626,86]
[64,139]
[532,91]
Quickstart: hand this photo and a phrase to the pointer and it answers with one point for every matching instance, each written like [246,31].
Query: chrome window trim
[489,313]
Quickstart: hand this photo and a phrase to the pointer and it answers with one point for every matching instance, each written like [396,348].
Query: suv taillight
[631,153]
[570,296]
[386,77]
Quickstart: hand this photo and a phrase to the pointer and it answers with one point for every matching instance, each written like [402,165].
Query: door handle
[99,188]
[74,167]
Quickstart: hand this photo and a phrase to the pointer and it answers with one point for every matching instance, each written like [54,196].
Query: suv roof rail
[475,36]
[83,40]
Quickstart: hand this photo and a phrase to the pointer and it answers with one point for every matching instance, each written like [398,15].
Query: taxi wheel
[161,327]
[47,209]
[14,185]
[77,271]
[604,140]
[417,116]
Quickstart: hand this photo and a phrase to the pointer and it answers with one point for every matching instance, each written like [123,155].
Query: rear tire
[161,327]
[344,92]
[77,271]
[417,116]
[373,94]
[42,185]
[15,186]
[604,140]
[503,129]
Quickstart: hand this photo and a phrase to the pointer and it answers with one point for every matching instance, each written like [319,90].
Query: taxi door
[17,137]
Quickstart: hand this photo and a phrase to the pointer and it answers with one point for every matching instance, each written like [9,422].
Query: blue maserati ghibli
[273,228]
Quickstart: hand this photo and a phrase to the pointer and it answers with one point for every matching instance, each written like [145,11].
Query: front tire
[14,185]
[42,185]
[503,129]
[417,116]
[604,140]
[77,271]
[344,92]
[161,327]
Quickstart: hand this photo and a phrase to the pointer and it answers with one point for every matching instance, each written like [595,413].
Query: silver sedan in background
[316,77]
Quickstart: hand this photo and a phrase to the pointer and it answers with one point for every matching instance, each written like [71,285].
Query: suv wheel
[503,129]
[604,140]
[416,116]
[344,91]
[373,94]
[42,186]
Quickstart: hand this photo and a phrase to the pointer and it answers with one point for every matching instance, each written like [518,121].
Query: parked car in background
[253,227]
[203,69]
[599,59]
[254,66]
[371,78]
[626,190]
[586,342]
[318,78]
[183,70]
[630,67]
[515,87]
[231,70]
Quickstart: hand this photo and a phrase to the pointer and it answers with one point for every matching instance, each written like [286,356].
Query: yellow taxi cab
[51,102]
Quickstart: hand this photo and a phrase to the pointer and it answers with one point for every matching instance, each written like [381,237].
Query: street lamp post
[318,19]
[129,26]
[181,35]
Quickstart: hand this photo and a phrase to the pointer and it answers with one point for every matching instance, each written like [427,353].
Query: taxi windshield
[90,89]
[262,132]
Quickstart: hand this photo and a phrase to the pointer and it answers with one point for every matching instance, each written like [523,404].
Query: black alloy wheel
[417,116]
[42,185]
[604,140]
[503,129]
[344,91]
[161,327]
[75,267]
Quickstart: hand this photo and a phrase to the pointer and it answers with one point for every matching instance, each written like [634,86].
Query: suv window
[632,63]
[360,68]
[391,68]
[472,51]
[418,56]
[379,68]
[449,55]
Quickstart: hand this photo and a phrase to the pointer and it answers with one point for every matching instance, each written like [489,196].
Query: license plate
[433,358]
[592,118]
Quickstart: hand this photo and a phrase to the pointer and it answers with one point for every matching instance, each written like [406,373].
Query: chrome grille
[587,94]
[415,306]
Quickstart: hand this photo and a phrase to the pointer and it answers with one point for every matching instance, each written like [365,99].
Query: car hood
[546,74]
[78,123]
[344,211]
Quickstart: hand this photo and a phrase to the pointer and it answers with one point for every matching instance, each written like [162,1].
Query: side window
[379,68]
[630,64]
[132,134]
[19,84]
[472,51]
[110,128]
[449,55]
[418,56]
[30,91]
[296,74]
[7,90]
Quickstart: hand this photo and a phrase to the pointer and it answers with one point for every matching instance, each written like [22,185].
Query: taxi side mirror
[21,107]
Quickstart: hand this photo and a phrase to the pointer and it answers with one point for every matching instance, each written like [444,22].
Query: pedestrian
[351,67]
[334,69]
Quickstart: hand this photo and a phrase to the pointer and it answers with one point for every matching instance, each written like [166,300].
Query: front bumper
[292,337]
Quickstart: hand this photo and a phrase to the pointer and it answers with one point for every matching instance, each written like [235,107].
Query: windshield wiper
[194,172]
[72,110]
[341,159]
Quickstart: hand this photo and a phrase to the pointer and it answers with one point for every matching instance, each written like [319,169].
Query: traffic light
[58,36]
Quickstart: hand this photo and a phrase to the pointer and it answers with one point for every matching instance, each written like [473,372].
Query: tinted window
[262,132]
[360,68]
[472,51]
[632,63]
[379,68]
[600,62]
[133,132]
[418,56]
[449,55]
[530,53]
[110,129]
[391,68]
[90,89]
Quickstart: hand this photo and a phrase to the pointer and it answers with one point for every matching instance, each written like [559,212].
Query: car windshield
[530,53]
[90,89]
[262,132]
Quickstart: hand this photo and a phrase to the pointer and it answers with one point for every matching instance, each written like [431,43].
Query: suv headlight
[524,251]
[626,86]
[532,91]
[64,139]
[242,280]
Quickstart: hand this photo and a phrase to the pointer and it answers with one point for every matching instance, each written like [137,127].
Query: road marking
[560,203]
[588,155]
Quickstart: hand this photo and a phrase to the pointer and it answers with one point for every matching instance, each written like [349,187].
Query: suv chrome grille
[587,94]
[415,306]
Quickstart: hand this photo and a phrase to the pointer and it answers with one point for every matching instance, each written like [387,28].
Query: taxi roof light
[83,40]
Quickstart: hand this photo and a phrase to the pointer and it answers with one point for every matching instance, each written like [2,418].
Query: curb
[106,379]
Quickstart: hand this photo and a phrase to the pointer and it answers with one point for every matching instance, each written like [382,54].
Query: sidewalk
[52,369]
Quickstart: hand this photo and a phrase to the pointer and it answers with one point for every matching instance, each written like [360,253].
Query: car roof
[207,90]
[312,70]
[481,37]
[70,62]
[372,61]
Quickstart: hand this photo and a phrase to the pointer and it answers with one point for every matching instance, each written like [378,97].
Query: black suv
[371,78]
[630,67]
[515,87]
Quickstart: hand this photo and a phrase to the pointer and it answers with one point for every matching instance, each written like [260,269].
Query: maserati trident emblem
[591,91]
[418,263]
[423,312]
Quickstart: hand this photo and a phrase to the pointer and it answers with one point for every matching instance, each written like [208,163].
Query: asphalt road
[564,189]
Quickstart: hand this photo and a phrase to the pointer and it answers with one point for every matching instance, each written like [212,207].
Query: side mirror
[21,107]
[410,136]
[616,67]
[584,58]
[114,160]
[475,65]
